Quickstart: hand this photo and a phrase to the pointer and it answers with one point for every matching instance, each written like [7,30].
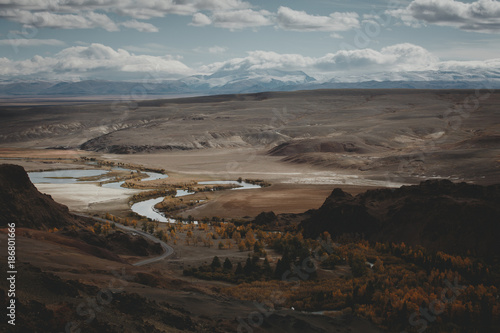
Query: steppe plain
[304,143]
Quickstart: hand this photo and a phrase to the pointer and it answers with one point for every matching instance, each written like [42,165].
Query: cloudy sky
[126,40]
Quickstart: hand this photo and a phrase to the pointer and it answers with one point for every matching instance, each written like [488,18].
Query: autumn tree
[236,236]
[358,265]
[160,234]
[97,228]
[106,228]
[379,266]
[151,227]
[258,249]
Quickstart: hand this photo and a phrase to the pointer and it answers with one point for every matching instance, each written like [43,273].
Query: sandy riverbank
[88,197]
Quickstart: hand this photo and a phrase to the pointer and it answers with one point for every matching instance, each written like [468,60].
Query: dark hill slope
[438,215]
[23,204]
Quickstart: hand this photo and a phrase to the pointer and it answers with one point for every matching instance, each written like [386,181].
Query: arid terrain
[300,146]
[367,138]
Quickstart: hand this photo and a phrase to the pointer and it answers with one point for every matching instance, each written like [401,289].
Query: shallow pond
[62,176]
[241,186]
[117,185]
[183,193]
[154,176]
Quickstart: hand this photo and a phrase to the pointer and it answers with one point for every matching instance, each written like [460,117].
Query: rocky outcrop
[23,204]
[436,214]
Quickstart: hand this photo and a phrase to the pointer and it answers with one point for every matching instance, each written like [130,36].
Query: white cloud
[257,60]
[151,9]
[235,19]
[396,58]
[139,9]
[151,48]
[228,14]
[453,65]
[214,5]
[396,62]
[46,19]
[86,14]
[69,5]
[93,61]
[400,57]
[289,19]
[217,49]
[140,26]
[212,50]
[479,16]
[200,20]
[146,9]
[19,42]
[336,35]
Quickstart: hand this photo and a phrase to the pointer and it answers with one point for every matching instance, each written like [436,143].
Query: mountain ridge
[247,80]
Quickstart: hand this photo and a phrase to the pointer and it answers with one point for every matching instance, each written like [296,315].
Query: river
[144,208]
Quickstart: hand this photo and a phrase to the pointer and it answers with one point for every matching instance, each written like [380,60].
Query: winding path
[167,249]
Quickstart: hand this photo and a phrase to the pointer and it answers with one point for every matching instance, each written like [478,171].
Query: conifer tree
[248,269]
[239,269]
[227,264]
[266,269]
[215,263]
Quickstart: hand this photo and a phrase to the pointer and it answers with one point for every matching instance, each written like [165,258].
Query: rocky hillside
[23,204]
[437,214]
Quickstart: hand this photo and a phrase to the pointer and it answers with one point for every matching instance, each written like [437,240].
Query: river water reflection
[144,208]
[63,176]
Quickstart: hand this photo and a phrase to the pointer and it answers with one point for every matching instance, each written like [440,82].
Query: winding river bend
[147,209]
[144,208]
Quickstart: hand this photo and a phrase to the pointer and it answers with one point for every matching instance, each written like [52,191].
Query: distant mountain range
[251,81]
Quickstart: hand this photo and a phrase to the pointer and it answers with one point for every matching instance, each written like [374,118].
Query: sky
[171,39]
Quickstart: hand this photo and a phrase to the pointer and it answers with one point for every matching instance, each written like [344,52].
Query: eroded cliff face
[23,204]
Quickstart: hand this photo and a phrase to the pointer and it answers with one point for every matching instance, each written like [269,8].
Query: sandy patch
[87,197]
[219,164]
[341,180]
[40,153]
[279,198]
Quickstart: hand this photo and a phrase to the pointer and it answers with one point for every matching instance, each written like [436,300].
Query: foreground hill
[76,280]
[23,204]
[438,215]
